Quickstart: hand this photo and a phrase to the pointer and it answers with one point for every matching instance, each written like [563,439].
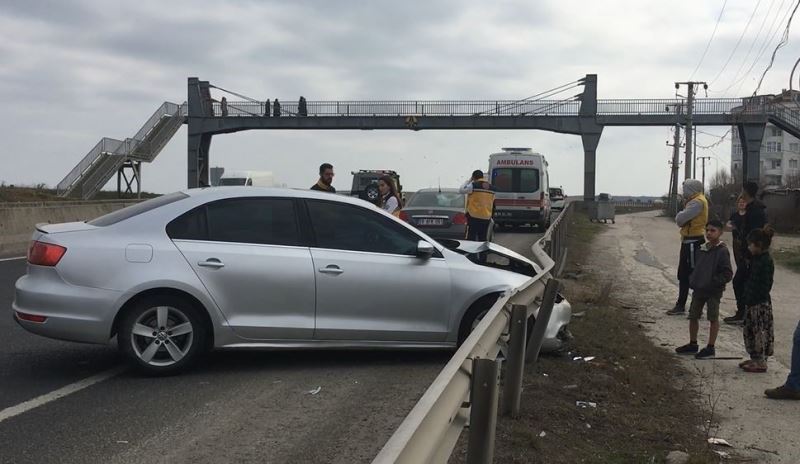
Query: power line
[784,41]
[710,39]
[758,34]
[764,46]
[738,42]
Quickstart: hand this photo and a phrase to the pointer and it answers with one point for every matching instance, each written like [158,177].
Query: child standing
[758,325]
[711,272]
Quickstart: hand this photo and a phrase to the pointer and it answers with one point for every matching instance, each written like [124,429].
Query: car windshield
[556,192]
[437,200]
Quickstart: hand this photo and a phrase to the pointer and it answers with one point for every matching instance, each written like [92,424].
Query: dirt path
[646,248]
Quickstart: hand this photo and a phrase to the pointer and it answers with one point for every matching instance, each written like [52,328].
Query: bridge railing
[406,108]
[467,387]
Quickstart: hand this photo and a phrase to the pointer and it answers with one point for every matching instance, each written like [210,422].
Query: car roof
[436,190]
[218,193]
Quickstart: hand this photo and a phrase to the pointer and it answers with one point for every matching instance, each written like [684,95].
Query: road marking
[12,259]
[12,411]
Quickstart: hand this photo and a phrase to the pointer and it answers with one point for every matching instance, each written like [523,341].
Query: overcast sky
[72,72]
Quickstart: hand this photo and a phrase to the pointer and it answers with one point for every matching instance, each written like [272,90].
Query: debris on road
[585,404]
[122,442]
[570,387]
[719,441]
[589,358]
[543,434]
[314,391]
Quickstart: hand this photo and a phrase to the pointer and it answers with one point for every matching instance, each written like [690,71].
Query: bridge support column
[751,136]
[590,142]
[197,163]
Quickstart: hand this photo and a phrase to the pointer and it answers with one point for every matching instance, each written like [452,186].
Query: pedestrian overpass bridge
[583,114]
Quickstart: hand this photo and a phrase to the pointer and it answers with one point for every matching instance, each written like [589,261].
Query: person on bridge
[276,108]
[753,218]
[325,178]
[224,106]
[480,206]
[692,222]
[791,389]
[302,107]
[266,108]
[390,199]
[712,272]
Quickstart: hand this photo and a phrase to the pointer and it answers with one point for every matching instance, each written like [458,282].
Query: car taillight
[460,219]
[45,254]
[404,216]
[31,317]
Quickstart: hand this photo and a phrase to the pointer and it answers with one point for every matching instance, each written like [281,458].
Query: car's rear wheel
[162,334]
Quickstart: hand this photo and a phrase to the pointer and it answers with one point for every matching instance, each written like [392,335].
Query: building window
[776,164]
[773,147]
[793,163]
[776,132]
[794,147]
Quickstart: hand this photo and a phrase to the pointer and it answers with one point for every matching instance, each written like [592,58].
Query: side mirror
[424,249]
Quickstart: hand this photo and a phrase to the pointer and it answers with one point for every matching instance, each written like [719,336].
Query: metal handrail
[430,431]
[106,145]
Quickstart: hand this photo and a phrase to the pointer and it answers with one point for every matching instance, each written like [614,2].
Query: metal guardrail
[466,388]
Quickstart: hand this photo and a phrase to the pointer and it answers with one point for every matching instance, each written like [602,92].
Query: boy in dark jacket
[712,271]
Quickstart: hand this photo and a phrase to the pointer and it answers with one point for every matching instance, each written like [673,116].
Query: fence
[467,387]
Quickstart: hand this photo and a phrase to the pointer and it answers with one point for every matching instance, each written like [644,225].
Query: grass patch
[14,194]
[789,257]
[647,403]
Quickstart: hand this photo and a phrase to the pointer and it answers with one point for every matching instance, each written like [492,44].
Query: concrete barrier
[18,220]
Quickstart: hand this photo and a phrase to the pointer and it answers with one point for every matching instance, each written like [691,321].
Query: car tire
[474,314]
[372,193]
[162,334]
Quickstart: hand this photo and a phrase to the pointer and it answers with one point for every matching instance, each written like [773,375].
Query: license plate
[431,222]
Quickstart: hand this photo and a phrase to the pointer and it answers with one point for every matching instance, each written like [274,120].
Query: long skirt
[759,333]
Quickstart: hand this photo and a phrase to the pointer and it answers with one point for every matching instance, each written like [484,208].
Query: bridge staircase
[785,117]
[109,155]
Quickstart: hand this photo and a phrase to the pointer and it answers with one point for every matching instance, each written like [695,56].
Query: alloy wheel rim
[162,336]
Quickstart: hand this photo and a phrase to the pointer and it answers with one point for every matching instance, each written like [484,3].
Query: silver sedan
[439,213]
[244,267]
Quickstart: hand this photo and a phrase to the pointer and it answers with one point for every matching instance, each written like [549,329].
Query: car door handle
[213,263]
[332,269]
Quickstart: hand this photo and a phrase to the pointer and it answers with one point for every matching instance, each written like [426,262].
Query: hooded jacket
[712,270]
[692,220]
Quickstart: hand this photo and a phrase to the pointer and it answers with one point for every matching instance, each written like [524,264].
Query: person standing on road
[692,222]
[480,206]
[759,335]
[712,272]
[753,218]
[390,200]
[325,179]
[791,389]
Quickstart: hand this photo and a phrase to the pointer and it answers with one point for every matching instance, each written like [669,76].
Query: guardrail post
[545,310]
[515,365]
[483,414]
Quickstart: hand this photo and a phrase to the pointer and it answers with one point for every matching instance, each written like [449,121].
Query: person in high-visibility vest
[692,222]
[480,206]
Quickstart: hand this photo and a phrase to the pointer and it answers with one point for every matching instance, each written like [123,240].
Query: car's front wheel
[162,334]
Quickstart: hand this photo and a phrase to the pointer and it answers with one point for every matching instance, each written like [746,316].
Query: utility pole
[689,121]
[676,163]
[703,160]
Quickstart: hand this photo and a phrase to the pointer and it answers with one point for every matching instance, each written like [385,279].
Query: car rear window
[137,209]
[437,199]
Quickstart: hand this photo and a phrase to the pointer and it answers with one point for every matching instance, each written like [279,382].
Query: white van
[250,178]
[520,180]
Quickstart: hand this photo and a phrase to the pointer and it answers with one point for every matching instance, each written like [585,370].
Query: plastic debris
[589,358]
[719,441]
[122,442]
[543,434]
[546,375]
[314,391]
[722,454]
[577,358]
[570,387]
[588,425]
[585,404]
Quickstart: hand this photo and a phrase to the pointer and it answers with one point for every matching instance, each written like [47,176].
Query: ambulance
[521,183]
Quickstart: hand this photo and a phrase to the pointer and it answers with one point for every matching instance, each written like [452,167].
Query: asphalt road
[234,407]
